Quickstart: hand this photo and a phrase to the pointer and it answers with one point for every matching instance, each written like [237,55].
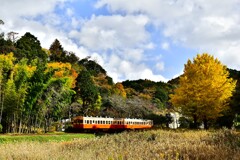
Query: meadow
[144,145]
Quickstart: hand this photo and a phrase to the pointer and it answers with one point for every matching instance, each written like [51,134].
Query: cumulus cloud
[204,25]
[122,42]
[12,9]
[112,32]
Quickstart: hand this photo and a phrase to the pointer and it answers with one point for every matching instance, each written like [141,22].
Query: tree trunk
[195,125]
[20,125]
[205,123]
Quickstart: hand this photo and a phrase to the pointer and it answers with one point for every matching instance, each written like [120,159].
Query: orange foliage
[119,89]
[63,70]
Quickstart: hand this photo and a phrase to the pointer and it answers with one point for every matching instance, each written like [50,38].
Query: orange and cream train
[101,123]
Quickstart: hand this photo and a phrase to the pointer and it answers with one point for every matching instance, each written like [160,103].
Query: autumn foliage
[204,89]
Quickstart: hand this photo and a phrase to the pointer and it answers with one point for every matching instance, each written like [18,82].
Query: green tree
[204,89]
[87,91]
[28,46]
[37,84]
[57,52]
[56,98]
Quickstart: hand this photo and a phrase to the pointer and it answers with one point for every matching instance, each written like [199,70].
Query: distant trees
[204,89]
[135,107]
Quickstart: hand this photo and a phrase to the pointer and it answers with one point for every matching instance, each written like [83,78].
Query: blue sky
[137,39]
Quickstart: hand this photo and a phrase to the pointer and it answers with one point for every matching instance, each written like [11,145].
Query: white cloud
[211,26]
[15,9]
[165,45]
[113,32]
[119,69]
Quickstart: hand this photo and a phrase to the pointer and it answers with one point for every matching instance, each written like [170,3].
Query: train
[85,123]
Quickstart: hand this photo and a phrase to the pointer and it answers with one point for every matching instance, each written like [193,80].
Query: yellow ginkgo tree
[204,89]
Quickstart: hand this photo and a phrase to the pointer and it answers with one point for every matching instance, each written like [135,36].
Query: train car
[105,124]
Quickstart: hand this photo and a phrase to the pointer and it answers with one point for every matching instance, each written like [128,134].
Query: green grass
[59,137]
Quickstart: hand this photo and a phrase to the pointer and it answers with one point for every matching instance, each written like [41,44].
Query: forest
[39,87]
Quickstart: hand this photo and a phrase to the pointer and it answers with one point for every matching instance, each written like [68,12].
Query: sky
[132,39]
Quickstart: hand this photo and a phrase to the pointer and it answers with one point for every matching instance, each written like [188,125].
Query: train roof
[111,118]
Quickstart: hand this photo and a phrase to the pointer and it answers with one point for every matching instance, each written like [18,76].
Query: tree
[1,34]
[92,66]
[57,52]
[28,46]
[119,90]
[204,89]
[12,36]
[87,91]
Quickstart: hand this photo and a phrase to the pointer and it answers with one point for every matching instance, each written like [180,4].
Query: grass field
[146,145]
[54,137]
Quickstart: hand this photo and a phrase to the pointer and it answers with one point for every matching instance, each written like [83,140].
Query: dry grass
[158,144]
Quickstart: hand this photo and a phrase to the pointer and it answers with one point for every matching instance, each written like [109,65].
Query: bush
[184,122]
[1,127]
